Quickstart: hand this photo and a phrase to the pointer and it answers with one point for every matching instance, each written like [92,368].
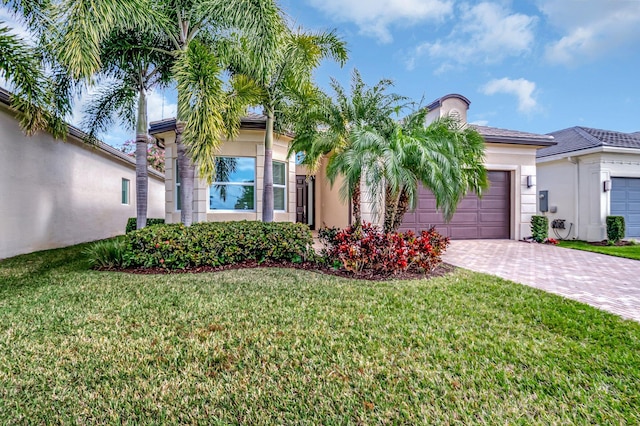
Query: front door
[304,200]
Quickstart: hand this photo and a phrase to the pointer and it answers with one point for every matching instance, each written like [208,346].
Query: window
[125,191]
[234,188]
[279,185]
[177,180]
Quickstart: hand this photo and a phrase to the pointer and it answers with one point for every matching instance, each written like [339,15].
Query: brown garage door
[488,217]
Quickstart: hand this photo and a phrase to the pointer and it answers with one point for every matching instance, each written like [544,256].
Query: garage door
[625,201]
[475,218]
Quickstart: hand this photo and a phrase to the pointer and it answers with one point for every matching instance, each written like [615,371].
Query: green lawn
[275,346]
[630,252]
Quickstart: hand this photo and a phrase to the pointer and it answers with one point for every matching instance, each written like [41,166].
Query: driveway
[606,282]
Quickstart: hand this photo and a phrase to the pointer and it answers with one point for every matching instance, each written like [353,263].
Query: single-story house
[57,193]
[503,212]
[588,175]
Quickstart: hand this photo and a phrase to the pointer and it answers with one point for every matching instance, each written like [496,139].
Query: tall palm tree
[328,127]
[134,62]
[193,27]
[286,77]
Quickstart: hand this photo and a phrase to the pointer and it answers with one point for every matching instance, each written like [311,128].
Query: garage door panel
[494,204]
[625,201]
[463,233]
[488,217]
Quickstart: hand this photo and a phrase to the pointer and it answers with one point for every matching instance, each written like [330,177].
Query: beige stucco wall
[55,193]
[249,143]
[575,186]
[330,209]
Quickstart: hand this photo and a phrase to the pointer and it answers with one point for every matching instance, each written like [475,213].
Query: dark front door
[488,217]
[305,200]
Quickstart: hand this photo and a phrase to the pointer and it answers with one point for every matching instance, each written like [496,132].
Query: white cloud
[376,16]
[480,122]
[486,32]
[160,106]
[521,88]
[591,28]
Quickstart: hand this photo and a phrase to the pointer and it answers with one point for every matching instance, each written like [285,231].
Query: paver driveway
[606,282]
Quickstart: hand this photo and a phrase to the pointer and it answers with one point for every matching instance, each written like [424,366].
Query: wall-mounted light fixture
[531,181]
[606,185]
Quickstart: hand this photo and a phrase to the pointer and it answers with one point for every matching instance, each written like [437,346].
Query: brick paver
[606,282]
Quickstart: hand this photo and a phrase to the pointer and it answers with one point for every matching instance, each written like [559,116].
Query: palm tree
[444,157]
[194,27]
[329,127]
[134,62]
[286,77]
[23,66]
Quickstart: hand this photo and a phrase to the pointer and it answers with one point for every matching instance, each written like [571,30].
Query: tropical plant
[24,66]
[286,79]
[444,157]
[133,64]
[328,127]
[196,29]
[365,144]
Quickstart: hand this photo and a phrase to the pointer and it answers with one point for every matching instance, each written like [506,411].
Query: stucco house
[504,211]
[588,175]
[57,193]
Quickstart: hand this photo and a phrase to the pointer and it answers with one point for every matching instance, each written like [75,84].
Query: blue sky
[529,65]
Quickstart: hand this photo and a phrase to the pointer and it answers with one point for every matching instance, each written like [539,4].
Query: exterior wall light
[606,185]
[531,181]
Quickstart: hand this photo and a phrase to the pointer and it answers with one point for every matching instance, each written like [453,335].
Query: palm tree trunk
[355,204]
[267,192]
[142,178]
[187,173]
[401,210]
[390,209]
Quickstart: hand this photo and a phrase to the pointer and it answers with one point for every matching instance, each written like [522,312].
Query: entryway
[305,201]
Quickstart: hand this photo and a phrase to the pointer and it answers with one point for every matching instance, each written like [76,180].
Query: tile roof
[580,138]
[496,135]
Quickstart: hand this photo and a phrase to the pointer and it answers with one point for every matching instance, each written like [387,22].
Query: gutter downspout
[576,161]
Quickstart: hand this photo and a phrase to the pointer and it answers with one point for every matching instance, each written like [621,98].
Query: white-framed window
[125,191]
[177,186]
[279,186]
[234,186]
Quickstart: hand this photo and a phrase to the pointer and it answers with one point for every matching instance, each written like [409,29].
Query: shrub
[615,228]
[106,254]
[370,249]
[133,222]
[217,243]
[539,228]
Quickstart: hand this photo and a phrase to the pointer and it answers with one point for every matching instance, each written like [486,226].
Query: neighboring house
[57,193]
[589,175]
[504,211]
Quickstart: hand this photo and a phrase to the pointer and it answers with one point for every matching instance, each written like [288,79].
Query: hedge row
[217,243]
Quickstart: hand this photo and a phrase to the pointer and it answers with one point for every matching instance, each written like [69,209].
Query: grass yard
[630,251]
[275,346]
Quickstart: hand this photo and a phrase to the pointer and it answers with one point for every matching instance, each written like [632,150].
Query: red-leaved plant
[368,248]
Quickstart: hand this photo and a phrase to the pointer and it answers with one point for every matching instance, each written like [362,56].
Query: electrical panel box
[543,198]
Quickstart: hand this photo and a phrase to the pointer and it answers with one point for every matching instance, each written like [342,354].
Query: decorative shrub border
[615,228]
[132,223]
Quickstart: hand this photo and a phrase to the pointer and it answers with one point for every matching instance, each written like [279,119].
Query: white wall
[576,187]
[54,193]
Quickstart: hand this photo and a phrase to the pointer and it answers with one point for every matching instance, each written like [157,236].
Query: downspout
[576,161]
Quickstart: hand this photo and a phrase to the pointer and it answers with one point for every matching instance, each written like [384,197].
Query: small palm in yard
[277,346]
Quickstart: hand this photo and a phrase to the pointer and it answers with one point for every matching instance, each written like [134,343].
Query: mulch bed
[440,270]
